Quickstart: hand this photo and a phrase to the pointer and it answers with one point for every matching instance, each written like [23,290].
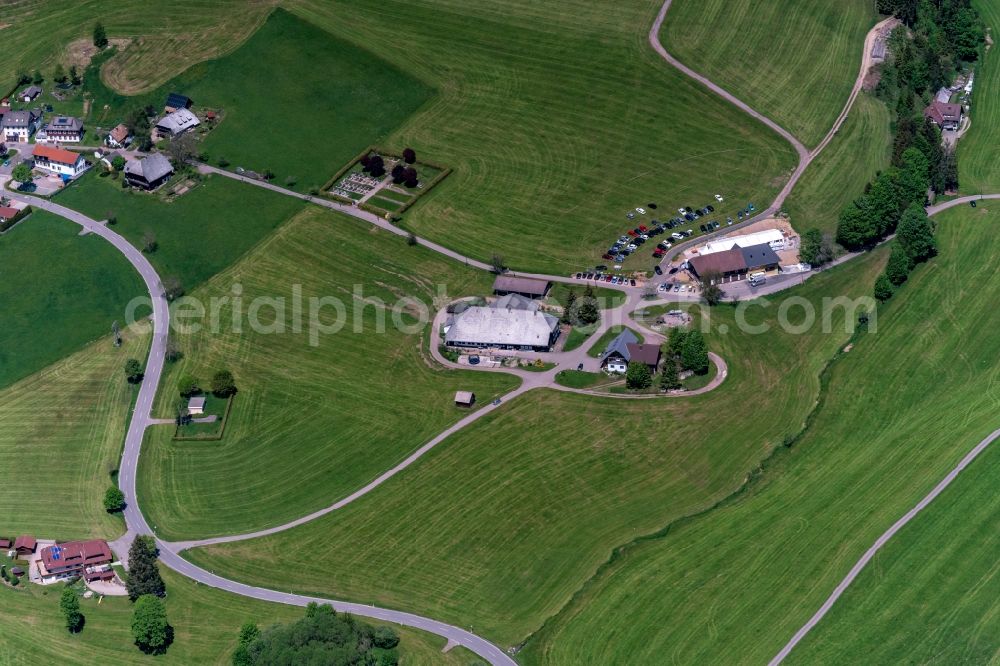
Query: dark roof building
[177,101]
[946,116]
[29,93]
[148,173]
[530,287]
[640,353]
[25,544]
[735,261]
[727,262]
[465,398]
[759,257]
[64,128]
[617,354]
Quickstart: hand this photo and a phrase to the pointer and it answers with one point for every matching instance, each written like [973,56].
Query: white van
[757,278]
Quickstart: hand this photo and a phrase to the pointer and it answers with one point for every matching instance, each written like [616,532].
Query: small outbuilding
[465,398]
[196,405]
[527,287]
[4,544]
[25,545]
[176,101]
[29,93]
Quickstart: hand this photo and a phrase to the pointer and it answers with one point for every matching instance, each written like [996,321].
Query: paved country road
[881,541]
[141,418]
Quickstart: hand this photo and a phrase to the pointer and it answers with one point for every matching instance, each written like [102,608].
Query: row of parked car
[600,276]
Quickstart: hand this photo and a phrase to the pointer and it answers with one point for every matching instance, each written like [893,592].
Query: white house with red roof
[59,161]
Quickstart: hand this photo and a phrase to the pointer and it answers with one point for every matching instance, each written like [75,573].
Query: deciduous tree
[637,376]
[114,500]
[883,288]
[409,155]
[915,234]
[669,378]
[223,384]
[150,628]
[133,371]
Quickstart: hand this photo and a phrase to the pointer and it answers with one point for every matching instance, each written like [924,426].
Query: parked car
[690,217]
[710,208]
[578,276]
[607,278]
[729,221]
[688,209]
[633,247]
[631,281]
[718,197]
[658,270]
[644,236]
[681,211]
[641,227]
[601,267]
[632,233]
[677,287]
[676,235]
[641,211]
[673,270]
[651,205]
[703,228]
[630,215]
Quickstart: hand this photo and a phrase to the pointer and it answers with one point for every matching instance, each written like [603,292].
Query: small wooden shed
[465,398]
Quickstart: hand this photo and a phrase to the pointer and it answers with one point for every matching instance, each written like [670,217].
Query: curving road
[141,419]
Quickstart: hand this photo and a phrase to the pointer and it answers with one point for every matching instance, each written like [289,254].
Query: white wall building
[772,237]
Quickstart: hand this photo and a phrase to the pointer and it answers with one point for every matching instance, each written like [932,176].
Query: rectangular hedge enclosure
[371,181]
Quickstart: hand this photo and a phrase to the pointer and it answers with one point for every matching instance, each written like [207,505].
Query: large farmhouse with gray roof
[736,261]
[502,328]
[148,173]
[178,122]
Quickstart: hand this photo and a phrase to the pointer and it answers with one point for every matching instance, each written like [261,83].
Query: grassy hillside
[310,423]
[296,100]
[58,292]
[933,594]
[793,60]
[548,152]
[900,410]
[61,433]
[978,169]
[557,118]
[199,234]
[861,148]
[570,489]
[206,625]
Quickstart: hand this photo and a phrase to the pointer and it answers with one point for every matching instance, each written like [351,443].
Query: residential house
[59,161]
[502,328]
[29,94]
[19,125]
[178,122]
[528,287]
[8,213]
[648,354]
[90,559]
[148,173]
[465,398]
[945,116]
[616,355]
[25,545]
[63,128]
[119,137]
[176,101]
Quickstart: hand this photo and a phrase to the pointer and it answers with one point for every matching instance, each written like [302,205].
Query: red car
[607,278]
[642,228]
[632,233]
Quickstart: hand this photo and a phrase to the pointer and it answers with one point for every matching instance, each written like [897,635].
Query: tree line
[323,636]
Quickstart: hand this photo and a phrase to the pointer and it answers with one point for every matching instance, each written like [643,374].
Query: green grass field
[539,176]
[978,169]
[206,625]
[61,433]
[900,410]
[572,489]
[310,423]
[861,148]
[199,234]
[932,595]
[58,292]
[793,60]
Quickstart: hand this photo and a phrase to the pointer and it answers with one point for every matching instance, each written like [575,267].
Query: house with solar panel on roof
[176,101]
[89,559]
